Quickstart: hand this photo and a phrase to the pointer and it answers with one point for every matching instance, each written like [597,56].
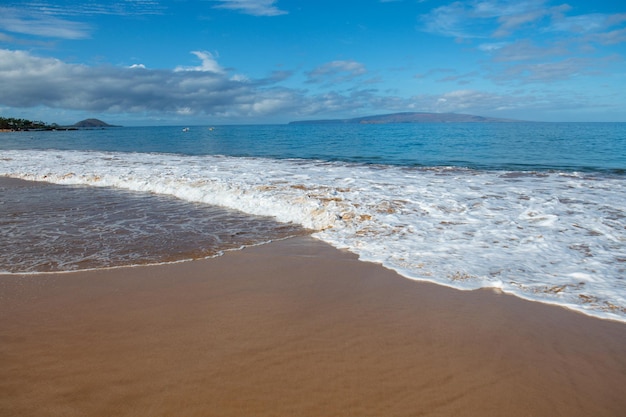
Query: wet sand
[294,328]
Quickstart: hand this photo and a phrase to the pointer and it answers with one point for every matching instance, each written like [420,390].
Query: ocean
[537,210]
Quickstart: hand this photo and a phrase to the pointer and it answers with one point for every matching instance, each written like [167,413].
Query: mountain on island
[92,123]
[412,117]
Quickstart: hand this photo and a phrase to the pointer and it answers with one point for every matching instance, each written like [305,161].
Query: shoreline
[588,302]
[294,327]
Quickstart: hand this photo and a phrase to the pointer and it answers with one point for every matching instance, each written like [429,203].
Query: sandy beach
[294,328]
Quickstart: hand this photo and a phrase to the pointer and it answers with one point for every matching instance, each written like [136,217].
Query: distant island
[92,123]
[411,117]
[11,124]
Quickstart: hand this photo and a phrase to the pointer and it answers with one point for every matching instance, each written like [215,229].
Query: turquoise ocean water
[533,209]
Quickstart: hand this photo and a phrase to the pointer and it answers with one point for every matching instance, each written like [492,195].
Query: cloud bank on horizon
[271,61]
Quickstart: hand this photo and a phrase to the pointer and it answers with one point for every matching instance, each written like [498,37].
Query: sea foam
[555,237]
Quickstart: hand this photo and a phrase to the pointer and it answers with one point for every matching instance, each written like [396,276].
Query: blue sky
[157,62]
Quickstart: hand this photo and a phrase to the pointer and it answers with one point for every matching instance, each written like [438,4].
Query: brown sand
[295,328]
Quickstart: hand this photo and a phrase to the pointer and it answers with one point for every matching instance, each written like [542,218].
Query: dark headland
[411,117]
[87,123]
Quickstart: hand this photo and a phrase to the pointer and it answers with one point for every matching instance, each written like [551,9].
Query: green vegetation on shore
[11,123]
[14,124]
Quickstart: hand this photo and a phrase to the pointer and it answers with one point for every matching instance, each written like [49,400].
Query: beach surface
[294,328]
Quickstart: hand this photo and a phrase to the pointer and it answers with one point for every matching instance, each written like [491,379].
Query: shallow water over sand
[47,227]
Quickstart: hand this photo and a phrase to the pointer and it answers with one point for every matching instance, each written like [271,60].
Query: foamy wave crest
[251,186]
[554,237]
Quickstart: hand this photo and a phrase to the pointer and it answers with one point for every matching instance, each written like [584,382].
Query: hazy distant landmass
[92,123]
[411,117]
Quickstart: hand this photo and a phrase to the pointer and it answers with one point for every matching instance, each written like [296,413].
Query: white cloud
[252,7]
[336,72]
[586,23]
[480,19]
[487,18]
[40,24]
[491,47]
[239,77]
[79,8]
[537,43]
[184,111]
[459,78]
[608,38]
[482,103]
[30,81]
[209,64]
[450,20]
[525,50]
[57,20]
[509,23]
[552,71]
